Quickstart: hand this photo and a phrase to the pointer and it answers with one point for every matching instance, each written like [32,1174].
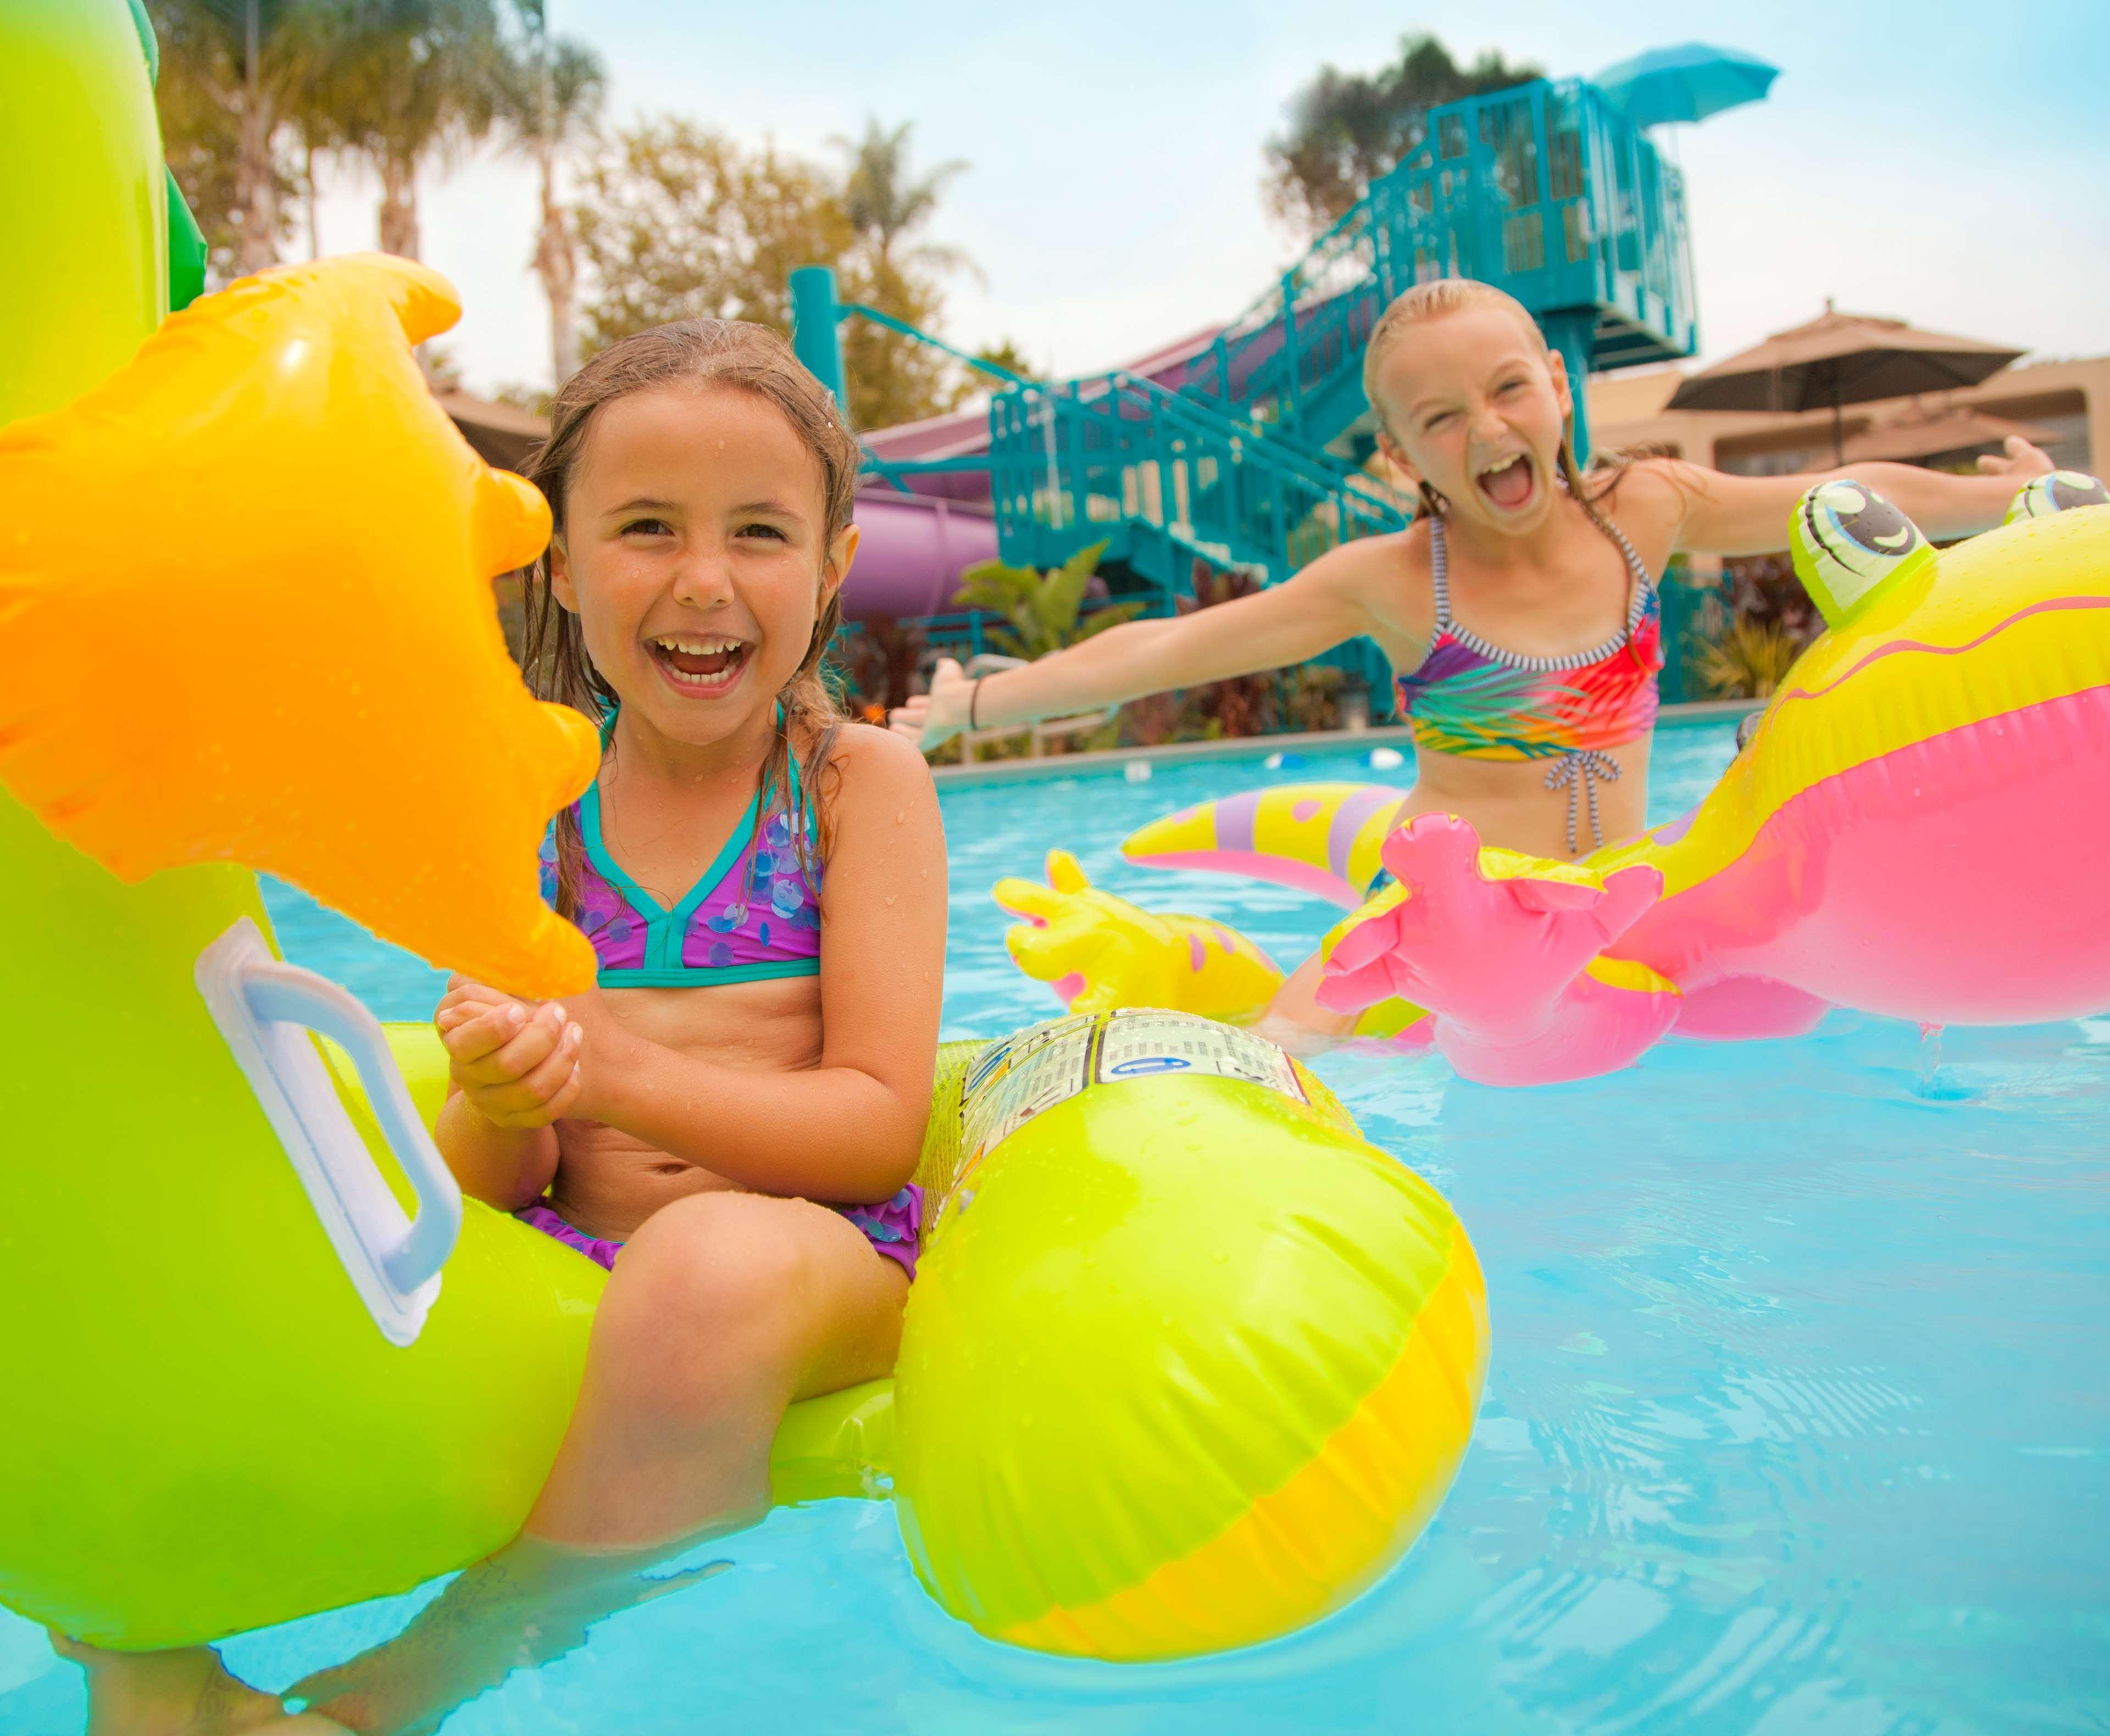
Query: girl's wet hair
[741,357]
[1442,295]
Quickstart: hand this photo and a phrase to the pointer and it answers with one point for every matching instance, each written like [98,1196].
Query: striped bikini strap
[1439,573]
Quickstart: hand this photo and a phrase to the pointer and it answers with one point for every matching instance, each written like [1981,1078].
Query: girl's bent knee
[718,1259]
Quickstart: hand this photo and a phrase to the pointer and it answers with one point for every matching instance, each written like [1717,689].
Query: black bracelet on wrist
[974,700]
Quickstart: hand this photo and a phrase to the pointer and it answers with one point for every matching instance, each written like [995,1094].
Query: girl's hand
[2020,460]
[931,719]
[517,1063]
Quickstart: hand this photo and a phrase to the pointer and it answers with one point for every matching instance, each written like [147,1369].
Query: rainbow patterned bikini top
[1476,700]
[755,912]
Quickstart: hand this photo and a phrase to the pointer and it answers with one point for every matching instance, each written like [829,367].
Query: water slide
[920,533]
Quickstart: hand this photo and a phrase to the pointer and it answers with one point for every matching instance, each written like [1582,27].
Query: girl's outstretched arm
[1289,623]
[848,1130]
[1721,514]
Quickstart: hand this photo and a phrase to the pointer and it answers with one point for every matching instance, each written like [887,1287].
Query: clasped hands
[520,1064]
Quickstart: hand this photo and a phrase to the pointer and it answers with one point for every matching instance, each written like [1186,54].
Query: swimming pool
[1798,1419]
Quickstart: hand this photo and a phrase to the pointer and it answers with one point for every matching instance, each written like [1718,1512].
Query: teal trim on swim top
[754,915]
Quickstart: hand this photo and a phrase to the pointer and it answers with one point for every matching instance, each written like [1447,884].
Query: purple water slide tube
[911,551]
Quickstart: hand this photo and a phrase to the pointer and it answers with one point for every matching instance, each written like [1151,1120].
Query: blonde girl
[1520,607]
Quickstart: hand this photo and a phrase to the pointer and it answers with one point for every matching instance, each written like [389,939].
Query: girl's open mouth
[1510,484]
[702,666]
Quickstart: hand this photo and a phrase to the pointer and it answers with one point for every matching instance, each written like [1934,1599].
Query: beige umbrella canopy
[1938,431]
[1840,358]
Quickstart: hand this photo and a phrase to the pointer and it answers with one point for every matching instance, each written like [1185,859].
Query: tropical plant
[878,659]
[236,76]
[1245,704]
[550,95]
[1043,611]
[888,377]
[891,377]
[1311,699]
[1748,661]
[1007,355]
[676,220]
[884,201]
[1763,588]
[1346,128]
[406,84]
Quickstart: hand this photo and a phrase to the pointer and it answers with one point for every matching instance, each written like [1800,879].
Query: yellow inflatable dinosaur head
[231,572]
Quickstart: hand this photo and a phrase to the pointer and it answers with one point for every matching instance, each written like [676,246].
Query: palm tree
[885,204]
[408,82]
[549,99]
[237,72]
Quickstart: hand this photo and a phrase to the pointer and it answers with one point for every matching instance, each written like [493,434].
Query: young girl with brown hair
[764,886]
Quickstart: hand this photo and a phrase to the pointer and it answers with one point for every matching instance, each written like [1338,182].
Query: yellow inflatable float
[1187,1363]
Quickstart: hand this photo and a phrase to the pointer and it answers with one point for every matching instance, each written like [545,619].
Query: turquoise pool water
[1798,1417]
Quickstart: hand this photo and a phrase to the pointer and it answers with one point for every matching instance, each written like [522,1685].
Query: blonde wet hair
[1433,301]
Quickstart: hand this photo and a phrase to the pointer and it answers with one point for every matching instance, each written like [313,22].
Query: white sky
[1947,163]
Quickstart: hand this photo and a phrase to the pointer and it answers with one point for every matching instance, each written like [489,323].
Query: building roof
[1930,430]
[502,434]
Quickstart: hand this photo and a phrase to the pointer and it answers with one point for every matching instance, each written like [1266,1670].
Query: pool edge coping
[1112,760]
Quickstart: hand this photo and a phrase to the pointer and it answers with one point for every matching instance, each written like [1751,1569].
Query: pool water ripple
[1797,1419]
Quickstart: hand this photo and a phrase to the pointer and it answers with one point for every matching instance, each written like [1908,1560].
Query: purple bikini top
[755,914]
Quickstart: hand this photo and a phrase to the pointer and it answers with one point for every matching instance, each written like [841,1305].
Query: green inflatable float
[1188,1361]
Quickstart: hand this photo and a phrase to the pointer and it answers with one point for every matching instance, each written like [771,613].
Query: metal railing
[1543,190]
[1166,478]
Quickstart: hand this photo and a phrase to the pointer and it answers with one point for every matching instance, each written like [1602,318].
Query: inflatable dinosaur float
[270,1362]
[1913,829]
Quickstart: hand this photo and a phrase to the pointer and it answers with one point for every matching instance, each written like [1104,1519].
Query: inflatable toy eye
[2060,492]
[1849,543]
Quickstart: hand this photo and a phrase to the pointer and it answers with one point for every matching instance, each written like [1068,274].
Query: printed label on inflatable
[1027,1075]
[1138,1044]
[1013,1080]
[1022,1077]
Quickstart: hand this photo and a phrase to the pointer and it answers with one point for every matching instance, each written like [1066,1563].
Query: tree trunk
[256,188]
[399,207]
[556,263]
[314,224]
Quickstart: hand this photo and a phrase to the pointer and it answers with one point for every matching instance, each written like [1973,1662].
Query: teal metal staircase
[1544,190]
[1166,478]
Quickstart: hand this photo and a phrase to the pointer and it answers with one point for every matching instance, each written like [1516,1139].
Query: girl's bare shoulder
[1649,494]
[1369,568]
[874,767]
[1385,578]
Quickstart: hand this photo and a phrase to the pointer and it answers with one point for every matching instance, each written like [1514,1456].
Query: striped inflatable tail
[1323,838]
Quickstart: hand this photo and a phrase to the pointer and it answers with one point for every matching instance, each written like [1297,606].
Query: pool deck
[1116,761]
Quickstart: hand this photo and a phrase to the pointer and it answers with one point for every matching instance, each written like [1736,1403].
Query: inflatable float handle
[264,1008]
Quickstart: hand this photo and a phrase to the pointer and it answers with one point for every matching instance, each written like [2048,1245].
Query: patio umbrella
[1687,83]
[1840,358]
[1938,431]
